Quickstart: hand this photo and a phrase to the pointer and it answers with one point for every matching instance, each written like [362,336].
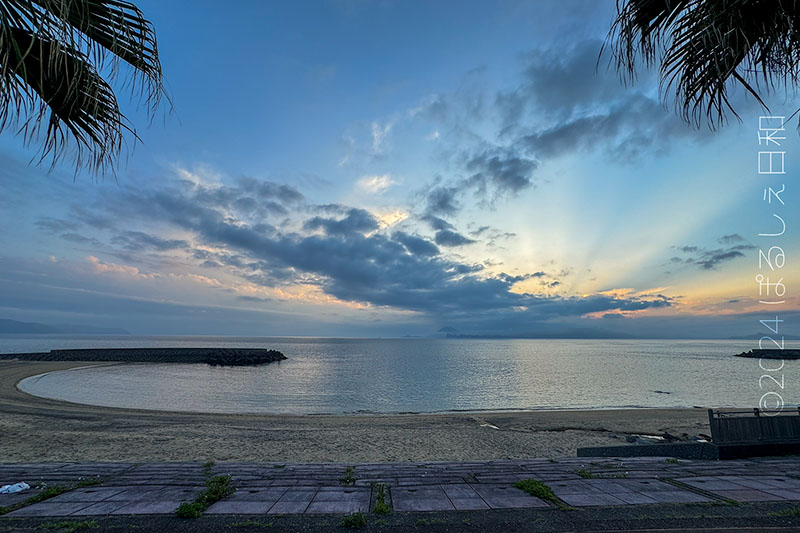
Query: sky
[350,168]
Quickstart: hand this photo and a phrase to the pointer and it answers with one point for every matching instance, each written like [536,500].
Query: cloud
[711,259]
[80,239]
[336,250]
[559,83]
[56,225]
[356,221]
[375,184]
[136,241]
[248,298]
[113,268]
[437,223]
[730,239]
[506,173]
[416,245]
[380,137]
[390,216]
[563,104]
[492,235]
[493,174]
[625,130]
[448,237]
[269,190]
[442,201]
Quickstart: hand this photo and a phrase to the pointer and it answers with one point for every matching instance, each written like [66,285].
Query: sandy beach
[37,429]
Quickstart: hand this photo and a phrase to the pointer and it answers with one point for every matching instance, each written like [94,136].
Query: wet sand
[38,429]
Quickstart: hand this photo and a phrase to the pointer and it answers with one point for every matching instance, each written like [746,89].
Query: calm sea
[415,375]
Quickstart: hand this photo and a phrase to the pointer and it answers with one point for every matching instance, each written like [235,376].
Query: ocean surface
[416,375]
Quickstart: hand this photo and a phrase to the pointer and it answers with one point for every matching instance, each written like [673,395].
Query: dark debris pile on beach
[771,354]
[211,356]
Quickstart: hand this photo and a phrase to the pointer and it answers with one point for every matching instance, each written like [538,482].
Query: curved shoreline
[510,410]
[40,429]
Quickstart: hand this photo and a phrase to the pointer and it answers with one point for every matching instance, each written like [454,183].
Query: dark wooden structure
[756,426]
[755,432]
[735,434]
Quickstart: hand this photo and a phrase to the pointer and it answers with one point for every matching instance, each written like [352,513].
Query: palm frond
[702,47]
[53,56]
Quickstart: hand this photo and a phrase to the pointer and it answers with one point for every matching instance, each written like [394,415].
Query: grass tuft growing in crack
[381,506]
[217,488]
[534,487]
[349,478]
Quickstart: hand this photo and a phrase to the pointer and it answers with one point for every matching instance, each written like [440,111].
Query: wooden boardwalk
[272,488]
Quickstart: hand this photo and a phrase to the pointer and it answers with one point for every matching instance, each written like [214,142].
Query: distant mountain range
[14,327]
[577,333]
[450,332]
[756,336]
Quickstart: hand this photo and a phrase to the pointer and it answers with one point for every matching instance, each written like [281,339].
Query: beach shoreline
[39,429]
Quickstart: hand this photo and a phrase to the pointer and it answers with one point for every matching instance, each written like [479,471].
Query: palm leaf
[703,47]
[52,54]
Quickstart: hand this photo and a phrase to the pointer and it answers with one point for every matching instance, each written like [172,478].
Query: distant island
[211,356]
[770,354]
[14,327]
